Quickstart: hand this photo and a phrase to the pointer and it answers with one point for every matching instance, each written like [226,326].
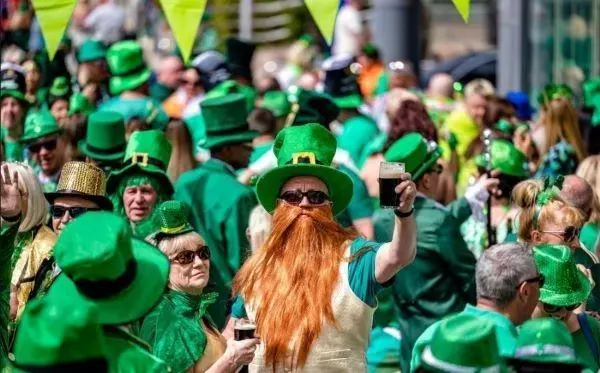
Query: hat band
[141,68]
[545,349]
[143,160]
[102,289]
[168,230]
[455,368]
[115,149]
[91,365]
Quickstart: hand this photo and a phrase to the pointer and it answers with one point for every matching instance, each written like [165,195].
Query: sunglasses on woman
[49,145]
[58,212]
[568,235]
[188,256]
[295,197]
[550,308]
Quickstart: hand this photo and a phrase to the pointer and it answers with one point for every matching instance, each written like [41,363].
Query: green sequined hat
[128,69]
[105,137]
[171,219]
[225,120]
[415,152]
[277,102]
[565,285]
[38,125]
[506,158]
[91,50]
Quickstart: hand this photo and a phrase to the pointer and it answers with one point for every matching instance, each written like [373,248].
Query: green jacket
[127,353]
[441,279]
[7,239]
[220,209]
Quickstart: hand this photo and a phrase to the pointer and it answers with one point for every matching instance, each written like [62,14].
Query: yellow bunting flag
[53,17]
[324,12]
[464,8]
[184,17]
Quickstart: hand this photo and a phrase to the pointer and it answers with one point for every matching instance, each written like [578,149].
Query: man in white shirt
[106,22]
[348,33]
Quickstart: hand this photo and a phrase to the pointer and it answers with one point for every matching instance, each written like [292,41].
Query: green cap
[91,50]
[225,120]
[101,261]
[105,137]
[229,87]
[506,158]
[171,219]
[59,332]
[38,125]
[463,343]
[147,152]
[417,154]
[306,150]
[79,104]
[565,285]
[60,87]
[126,63]
[312,107]
[277,102]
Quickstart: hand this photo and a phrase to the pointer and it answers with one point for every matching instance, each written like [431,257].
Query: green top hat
[79,104]
[545,341]
[229,87]
[127,66]
[12,83]
[565,285]
[506,158]
[105,137]
[57,333]
[225,120]
[341,82]
[415,152]
[277,102]
[60,87]
[91,50]
[100,260]
[313,107]
[463,343]
[147,152]
[171,219]
[38,125]
[306,150]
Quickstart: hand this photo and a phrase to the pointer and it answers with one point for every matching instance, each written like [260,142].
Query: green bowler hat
[506,158]
[38,125]
[79,104]
[58,334]
[312,107]
[463,343]
[171,218]
[565,285]
[126,63]
[60,87]
[102,262]
[415,152]
[545,341]
[277,102]
[306,150]
[225,120]
[91,50]
[147,152]
[105,137]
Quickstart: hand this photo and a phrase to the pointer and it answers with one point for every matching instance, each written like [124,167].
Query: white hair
[29,186]
[259,227]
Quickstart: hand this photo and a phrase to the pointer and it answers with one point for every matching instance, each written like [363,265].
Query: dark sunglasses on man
[58,212]
[568,235]
[295,197]
[49,145]
[540,279]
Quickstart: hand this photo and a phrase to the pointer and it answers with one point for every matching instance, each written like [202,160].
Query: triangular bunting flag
[53,17]
[324,12]
[184,17]
[464,8]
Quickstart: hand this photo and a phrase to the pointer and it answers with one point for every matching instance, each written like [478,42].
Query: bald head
[441,85]
[578,193]
[169,71]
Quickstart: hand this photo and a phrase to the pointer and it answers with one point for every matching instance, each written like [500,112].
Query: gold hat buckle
[140,158]
[304,157]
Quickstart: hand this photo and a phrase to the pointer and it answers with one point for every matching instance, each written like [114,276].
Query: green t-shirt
[361,277]
[582,349]
[357,133]
[14,151]
[144,108]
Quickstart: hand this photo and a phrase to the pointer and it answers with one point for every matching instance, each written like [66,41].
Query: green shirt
[7,239]
[127,353]
[590,236]
[14,151]
[582,350]
[506,334]
[260,150]
[357,133]
[144,108]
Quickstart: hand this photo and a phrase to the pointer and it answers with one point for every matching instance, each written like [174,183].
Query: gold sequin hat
[84,180]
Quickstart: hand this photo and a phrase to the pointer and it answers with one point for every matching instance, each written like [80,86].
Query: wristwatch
[403,215]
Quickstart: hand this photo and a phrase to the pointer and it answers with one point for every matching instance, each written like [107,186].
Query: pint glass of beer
[389,178]
[243,329]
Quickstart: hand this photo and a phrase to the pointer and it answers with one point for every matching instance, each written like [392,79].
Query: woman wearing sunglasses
[563,291]
[178,329]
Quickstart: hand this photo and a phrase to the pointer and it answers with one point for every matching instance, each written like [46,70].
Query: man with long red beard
[311,288]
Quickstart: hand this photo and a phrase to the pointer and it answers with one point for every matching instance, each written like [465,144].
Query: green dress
[127,353]
[7,238]
[144,108]
[220,210]
[357,133]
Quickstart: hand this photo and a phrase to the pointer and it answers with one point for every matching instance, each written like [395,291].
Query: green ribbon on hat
[170,219]
[552,188]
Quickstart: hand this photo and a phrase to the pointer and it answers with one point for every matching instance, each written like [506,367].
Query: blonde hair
[259,227]
[589,169]
[533,216]
[562,123]
[36,207]
[173,245]
[395,98]
[480,87]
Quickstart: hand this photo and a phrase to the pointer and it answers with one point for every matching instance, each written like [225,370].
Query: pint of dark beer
[389,178]
[243,329]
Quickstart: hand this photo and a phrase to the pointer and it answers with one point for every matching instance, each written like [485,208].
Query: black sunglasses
[315,197]
[539,279]
[568,235]
[550,308]
[188,256]
[437,168]
[58,212]
[48,145]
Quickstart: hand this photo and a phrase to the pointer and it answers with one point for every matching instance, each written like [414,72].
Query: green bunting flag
[184,17]
[464,8]
[324,12]
[53,16]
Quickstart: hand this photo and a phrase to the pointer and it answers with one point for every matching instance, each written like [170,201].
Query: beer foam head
[389,170]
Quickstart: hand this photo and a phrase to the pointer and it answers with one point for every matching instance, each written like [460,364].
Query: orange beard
[291,279]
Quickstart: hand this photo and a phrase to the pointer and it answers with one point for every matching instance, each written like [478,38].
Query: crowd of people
[147,213]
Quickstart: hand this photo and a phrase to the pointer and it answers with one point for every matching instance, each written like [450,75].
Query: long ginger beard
[291,280]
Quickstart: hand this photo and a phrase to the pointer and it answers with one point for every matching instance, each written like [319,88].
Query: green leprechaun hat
[38,125]
[277,102]
[565,285]
[417,154]
[12,83]
[545,340]
[147,152]
[171,220]
[312,107]
[60,87]
[229,87]
[105,137]
[506,158]
[79,104]
[91,50]
[59,334]
[463,343]
[341,82]
[225,121]
[306,150]
[127,67]
[102,262]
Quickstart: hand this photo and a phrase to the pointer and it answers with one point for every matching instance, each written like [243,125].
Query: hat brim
[481,162]
[119,84]
[25,140]
[146,289]
[338,183]
[577,296]
[102,201]
[113,157]
[541,361]
[429,161]
[16,95]
[353,101]
[115,177]
[213,141]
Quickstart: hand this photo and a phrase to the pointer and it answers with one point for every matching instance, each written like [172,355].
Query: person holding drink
[312,288]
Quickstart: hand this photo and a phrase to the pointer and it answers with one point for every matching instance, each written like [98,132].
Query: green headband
[552,187]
